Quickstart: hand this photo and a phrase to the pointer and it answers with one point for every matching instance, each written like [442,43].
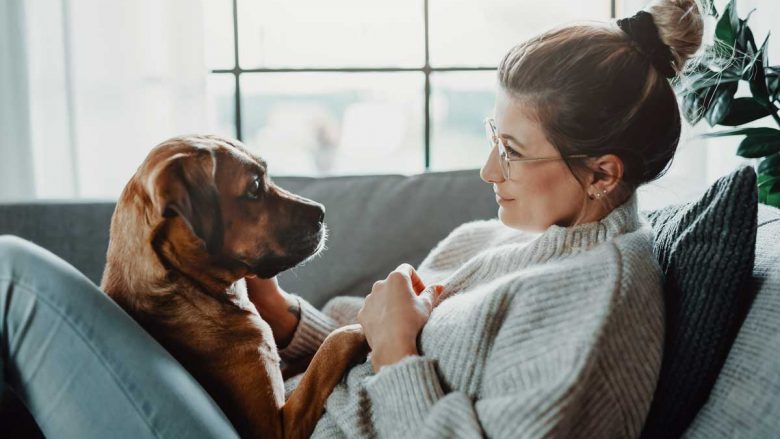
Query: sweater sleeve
[311,331]
[315,325]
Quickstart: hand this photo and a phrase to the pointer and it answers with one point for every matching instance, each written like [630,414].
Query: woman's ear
[607,172]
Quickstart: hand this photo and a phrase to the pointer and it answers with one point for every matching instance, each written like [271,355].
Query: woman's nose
[491,170]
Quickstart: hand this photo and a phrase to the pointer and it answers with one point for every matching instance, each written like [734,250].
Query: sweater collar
[623,219]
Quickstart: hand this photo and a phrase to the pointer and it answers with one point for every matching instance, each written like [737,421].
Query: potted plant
[709,89]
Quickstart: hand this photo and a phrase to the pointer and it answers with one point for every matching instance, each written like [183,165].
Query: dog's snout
[310,209]
[317,212]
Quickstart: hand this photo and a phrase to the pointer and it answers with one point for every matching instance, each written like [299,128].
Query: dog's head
[212,209]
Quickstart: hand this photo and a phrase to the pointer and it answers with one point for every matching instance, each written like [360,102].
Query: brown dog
[198,216]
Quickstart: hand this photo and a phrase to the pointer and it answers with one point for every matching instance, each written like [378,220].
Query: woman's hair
[595,89]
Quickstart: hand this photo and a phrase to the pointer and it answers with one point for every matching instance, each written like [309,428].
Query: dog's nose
[320,212]
[312,212]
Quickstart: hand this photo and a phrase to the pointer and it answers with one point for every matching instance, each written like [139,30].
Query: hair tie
[642,30]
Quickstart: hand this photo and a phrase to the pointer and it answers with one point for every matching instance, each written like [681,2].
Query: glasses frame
[504,160]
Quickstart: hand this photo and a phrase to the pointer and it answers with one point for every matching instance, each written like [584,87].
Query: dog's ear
[184,186]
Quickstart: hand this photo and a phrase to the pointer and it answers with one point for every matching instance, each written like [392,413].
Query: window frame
[426,69]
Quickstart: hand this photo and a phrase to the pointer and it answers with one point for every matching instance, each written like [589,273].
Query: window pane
[137,79]
[460,102]
[218,34]
[221,104]
[337,33]
[468,32]
[334,123]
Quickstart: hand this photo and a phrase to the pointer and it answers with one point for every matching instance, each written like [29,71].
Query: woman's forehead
[513,121]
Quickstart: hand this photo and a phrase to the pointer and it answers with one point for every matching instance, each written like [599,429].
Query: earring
[598,195]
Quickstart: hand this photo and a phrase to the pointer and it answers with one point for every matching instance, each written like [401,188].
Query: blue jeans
[82,366]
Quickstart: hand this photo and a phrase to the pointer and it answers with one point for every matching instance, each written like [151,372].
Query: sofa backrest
[375,223]
[75,231]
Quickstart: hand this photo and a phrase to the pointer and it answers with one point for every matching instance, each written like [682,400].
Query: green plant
[711,82]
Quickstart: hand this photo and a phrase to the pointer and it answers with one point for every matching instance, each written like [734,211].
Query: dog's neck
[185,259]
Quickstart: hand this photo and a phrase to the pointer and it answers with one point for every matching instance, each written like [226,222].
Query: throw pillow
[706,250]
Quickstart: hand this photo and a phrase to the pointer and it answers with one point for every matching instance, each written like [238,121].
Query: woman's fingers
[429,295]
[417,284]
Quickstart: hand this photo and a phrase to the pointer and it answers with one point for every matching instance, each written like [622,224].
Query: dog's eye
[255,189]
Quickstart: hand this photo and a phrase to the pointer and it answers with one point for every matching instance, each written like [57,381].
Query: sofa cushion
[378,222]
[706,251]
[76,231]
[745,401]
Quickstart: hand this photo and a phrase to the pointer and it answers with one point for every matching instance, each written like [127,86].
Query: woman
[545,322]
[558,334]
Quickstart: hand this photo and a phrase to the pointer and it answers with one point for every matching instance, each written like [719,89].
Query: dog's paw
[351,341]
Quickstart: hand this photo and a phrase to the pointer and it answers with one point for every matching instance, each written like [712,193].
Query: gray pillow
[745,401]
[706,250]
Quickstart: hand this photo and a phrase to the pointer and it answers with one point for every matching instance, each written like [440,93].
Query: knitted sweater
[557,334]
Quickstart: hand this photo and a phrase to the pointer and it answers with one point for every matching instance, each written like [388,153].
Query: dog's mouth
[298,251]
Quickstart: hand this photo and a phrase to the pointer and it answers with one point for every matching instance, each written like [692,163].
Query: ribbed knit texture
[706,250]
[745,401]
[557,334]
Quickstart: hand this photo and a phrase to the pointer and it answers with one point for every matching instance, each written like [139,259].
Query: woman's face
[537,194]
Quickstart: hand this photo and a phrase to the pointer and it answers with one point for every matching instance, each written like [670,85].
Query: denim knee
[13,250]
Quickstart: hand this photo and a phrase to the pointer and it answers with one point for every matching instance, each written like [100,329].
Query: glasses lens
[502,158]
[490,133]
[495,142]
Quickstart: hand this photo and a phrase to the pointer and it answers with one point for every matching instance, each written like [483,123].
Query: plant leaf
[773,196]
[769,189]
[692,108]
[773,85]
[720,105]
[744,42]
[758,76]
[743,131]
[753,147]
[750,55]
[770,166]
[744,110]
[709,6]
[703,80]
[725,29]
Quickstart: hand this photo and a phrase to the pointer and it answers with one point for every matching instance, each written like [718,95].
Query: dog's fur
[186,231]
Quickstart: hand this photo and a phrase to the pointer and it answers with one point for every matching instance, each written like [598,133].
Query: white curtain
[16,179]
[94,85]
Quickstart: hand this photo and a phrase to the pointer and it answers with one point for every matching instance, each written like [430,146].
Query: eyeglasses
[507,156]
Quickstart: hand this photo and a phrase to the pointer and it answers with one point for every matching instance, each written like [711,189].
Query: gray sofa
[378,222]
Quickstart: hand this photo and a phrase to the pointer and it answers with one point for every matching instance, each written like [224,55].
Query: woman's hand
[394,313]
[280,310]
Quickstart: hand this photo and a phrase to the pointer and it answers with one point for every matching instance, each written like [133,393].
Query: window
[356,86]
[318,88]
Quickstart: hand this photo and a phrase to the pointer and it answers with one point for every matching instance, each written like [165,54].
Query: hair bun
[680,27]
[642,30]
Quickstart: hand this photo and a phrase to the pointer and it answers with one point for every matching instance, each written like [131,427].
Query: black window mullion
[427,72]
[237,73]
[426,69]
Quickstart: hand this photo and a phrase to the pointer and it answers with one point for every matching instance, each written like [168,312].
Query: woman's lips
[500,199]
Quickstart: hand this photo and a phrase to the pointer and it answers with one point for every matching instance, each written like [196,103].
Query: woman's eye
[254,189]
[511,152]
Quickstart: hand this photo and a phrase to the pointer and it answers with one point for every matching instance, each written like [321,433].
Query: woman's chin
[515,222]
[506,217]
